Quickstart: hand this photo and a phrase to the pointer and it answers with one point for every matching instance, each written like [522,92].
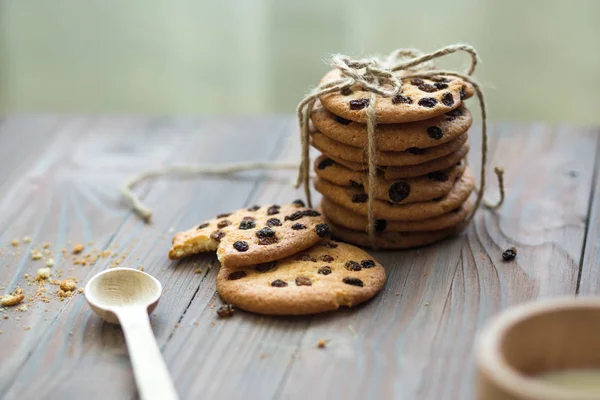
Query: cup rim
[491,361]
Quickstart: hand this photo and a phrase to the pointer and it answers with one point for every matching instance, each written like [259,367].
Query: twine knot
[371,74]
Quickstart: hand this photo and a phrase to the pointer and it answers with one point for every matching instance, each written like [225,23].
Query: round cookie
[412,156]
[322,278]
[392,240]
[429,167]
[394,137]
[420,99]
[411,171]
[253,235]
[355,200]
[411,190]
[347,219]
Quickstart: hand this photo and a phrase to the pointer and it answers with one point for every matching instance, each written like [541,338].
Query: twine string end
[499,171]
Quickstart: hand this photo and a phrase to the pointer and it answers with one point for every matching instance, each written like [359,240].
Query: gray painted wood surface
[59,179]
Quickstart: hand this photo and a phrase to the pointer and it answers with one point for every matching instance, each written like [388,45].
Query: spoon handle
[151,373]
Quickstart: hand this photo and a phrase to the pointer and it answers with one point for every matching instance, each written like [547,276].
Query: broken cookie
[253,235]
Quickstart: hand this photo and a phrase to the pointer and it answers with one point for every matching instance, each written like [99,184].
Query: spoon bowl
[121,287]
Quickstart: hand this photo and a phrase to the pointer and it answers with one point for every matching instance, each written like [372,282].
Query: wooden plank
[77,345]
[590,266]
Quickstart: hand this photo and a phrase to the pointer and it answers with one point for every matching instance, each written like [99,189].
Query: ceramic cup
[534,338]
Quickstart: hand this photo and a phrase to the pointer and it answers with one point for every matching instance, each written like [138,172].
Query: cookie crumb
[35,255]
[78,248]
[46,245]
[141,268]
[68,285]
[509,254]
[15,242]
[263,356]
[80,290]
[197,271]
[322,343]
[11,299]
[43,273]
[225,311]
[426,303]
[27,239]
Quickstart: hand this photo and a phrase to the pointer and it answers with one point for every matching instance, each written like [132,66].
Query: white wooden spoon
[126,296]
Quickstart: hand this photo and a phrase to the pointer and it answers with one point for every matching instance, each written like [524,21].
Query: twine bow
[384,77]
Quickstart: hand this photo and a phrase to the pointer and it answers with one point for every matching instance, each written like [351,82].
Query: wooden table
[59,178]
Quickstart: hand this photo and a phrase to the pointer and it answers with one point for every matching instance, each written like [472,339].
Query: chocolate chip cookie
[253,235]
[322,278]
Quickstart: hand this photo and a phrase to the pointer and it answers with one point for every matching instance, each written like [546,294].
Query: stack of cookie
[279,260]
[423,184]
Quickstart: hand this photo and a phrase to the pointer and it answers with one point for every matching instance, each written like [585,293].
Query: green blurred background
[541,58]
